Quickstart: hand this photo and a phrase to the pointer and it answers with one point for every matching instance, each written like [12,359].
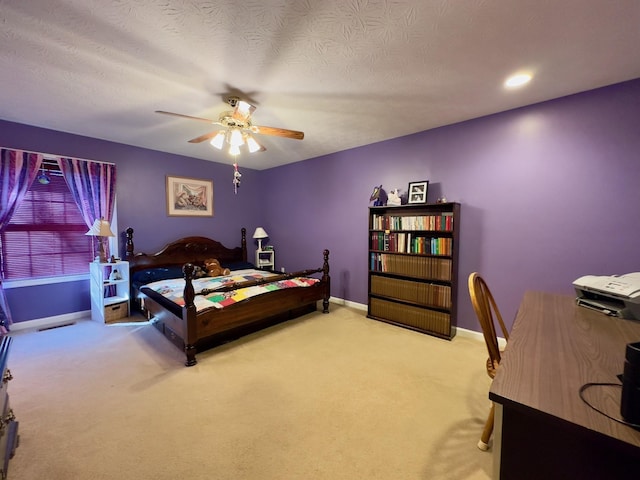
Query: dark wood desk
[543,429]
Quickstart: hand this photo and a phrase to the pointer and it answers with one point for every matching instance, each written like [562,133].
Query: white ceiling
[346,72]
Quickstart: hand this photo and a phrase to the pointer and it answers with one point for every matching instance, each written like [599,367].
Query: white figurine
[394,198]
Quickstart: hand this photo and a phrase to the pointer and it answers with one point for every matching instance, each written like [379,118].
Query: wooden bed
[194,331]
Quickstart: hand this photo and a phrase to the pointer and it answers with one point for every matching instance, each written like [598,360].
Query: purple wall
[42,301]
[141,204]
[549,192]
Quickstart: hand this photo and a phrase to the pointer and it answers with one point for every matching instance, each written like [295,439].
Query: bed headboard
[185,250]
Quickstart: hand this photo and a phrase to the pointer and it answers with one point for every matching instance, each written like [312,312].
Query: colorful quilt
[173,289]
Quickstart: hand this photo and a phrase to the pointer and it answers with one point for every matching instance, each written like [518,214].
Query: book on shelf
[421,267]
[407,243]
[440,222]
[427,294]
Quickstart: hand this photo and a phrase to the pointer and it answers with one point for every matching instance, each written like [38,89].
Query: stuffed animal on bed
[214,269]
[199,272]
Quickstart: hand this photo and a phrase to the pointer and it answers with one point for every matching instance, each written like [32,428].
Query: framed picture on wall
[418,192]
[189,197]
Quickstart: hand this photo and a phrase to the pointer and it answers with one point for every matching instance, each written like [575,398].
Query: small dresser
[8,422]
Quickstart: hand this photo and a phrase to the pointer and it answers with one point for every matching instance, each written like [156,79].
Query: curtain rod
[51,156]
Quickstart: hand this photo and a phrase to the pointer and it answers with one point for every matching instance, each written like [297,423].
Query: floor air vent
[56,326]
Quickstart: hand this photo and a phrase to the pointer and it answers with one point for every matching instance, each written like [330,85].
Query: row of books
[427,294]
[410,243]
[440,222]
[420,318]
[420,267]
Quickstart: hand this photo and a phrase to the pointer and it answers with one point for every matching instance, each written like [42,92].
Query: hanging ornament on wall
[236,178]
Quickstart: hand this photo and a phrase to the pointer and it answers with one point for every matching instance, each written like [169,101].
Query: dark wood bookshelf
[413,264]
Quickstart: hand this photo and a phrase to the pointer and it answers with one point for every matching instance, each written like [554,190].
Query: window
[46,235]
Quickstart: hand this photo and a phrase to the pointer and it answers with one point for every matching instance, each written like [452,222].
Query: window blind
[46,235]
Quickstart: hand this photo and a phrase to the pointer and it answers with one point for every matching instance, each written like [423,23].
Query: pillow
[143,277]
[239,265]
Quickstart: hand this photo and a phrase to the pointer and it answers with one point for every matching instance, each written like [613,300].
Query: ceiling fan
[237,128]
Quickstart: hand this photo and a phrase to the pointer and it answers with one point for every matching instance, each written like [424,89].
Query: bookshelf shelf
[413,263]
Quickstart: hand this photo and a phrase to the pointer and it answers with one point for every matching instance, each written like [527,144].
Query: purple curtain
[18,170]
[93,186]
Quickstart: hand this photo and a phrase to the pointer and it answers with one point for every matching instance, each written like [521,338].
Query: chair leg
[483,443]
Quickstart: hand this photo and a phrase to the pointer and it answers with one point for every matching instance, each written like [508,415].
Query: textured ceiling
[346,72]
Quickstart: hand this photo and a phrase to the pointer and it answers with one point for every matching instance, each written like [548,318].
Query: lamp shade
[235,137]
[253,145]
[218,140]
[260,233]
[100,228]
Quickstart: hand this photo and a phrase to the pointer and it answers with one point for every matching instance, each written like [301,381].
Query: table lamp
[101,230]
[259,235]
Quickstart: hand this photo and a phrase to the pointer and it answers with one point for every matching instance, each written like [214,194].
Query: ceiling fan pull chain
[236,178]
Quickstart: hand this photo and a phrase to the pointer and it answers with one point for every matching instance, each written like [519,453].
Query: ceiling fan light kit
[238,129]
[235,138]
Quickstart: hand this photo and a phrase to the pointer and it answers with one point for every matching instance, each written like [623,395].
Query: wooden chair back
[488,315]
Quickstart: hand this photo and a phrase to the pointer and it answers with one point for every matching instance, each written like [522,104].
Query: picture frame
[189,197]
[418,192]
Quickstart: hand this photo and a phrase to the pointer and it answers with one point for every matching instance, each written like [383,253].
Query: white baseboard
[463,332]
[347,303]
[472,334]
[50,322]
[55,321]
[58,320]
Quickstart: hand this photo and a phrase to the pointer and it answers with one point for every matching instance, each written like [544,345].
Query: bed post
[326,278]
[243,243]
[129,250]
[189,313]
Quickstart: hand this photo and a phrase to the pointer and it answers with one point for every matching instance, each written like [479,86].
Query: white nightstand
[265,259]
[109,293]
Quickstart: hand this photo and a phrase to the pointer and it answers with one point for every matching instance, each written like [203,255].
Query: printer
[615,295]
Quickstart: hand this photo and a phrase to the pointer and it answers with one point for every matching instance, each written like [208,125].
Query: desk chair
[487,312]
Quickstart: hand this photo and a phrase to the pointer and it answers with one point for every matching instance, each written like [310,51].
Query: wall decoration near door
[189,197]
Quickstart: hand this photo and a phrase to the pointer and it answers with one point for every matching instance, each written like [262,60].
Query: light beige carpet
[330,397]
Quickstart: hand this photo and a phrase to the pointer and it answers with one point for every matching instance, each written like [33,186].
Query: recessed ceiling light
[517,80]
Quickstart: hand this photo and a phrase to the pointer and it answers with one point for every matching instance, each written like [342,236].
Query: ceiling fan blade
[278,132]
[187,116]
[243,110]
[206,136]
